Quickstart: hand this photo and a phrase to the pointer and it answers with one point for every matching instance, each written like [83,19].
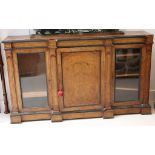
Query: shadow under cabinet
[73,76]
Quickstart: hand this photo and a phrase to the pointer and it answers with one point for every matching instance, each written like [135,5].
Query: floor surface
[123,135]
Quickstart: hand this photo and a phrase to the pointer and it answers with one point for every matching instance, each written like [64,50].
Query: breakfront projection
[70,76]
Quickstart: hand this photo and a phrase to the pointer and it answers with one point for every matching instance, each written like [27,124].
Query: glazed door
[31,72]
[129,71]
[80,78]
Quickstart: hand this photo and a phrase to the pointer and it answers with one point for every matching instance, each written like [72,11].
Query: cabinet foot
[16,119]
[108,114]
[146,111]
[56,117]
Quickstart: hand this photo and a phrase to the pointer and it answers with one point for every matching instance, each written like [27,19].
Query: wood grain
[10,68]
[81,78]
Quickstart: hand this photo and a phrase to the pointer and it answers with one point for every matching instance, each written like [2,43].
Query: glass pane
[127,78]
[32,74]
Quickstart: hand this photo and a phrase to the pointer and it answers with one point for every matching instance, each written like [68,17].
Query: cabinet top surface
[76,36]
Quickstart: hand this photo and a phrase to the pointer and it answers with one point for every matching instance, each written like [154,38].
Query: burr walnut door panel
[80,74]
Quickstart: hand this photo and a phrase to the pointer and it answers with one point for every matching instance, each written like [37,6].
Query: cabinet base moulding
[21,117]
[59,117]
[82,115]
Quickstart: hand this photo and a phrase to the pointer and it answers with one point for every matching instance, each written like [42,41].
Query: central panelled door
[81,78]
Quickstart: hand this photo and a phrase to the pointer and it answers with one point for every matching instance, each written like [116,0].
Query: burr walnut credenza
[73,76]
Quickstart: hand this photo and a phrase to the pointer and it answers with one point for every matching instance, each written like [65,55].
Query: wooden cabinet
[62,77]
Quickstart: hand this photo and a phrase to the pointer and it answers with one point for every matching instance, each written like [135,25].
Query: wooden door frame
[60,80]
[17,80]
[142,75]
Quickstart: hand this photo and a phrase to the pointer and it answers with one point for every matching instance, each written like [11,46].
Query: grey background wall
[14,32]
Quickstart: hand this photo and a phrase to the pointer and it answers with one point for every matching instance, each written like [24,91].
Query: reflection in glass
[127,68]
[32,74]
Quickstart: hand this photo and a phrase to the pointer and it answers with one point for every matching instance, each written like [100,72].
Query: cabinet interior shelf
[128,55]
[34,94]
[128,75]
[127,89]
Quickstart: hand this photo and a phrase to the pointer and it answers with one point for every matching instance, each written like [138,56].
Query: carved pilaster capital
[52,43]
[8,46]
[149,39]
[108,43]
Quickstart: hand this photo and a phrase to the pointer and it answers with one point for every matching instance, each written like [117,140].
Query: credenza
[75,76]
